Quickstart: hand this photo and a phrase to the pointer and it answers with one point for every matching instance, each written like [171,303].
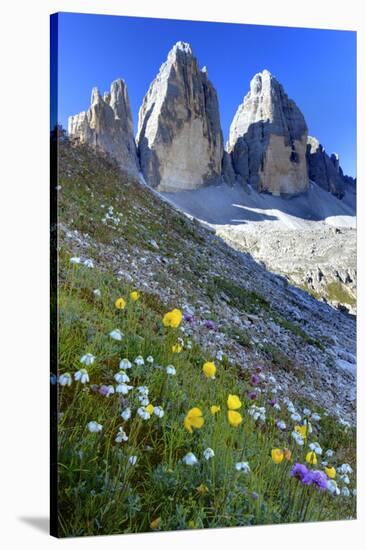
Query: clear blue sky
[316,67]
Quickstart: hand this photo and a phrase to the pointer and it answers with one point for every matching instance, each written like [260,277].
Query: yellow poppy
[209,369]
[173,318]
[134,295]
[234,418]
[215,409]
[287,453]
[311,458]
[120,303]
[277,455]
[330,471]
[155,523]
[202,489]
[194,419]
[233,402]
[177,348]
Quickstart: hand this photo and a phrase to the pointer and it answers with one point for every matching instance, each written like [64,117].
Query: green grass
[243,299]
[101,493]
[337,292]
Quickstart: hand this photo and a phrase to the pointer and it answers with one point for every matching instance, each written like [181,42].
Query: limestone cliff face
[268,138]
[325,170]
[107,126]
[179,134]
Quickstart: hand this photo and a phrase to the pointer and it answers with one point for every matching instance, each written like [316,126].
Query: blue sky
[316,67]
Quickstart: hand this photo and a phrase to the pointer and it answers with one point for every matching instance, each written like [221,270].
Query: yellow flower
[134,295]
[234,418]
[177,348]
[302,430]
[173,318]
[149,408]
[287,453]
[202,489]
[120,303]
[277,455]
[233,402]
[311,458]
[330,471]
[192,524]
[155,523]
[194,419]
[215,409]
[209,370]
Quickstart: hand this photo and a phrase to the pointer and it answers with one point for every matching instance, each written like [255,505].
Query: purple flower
[210,325]
[299,471]
[273,402]
[187,317]
[254,380]
[318,478]
[252,395]
[255,495]
[103,390]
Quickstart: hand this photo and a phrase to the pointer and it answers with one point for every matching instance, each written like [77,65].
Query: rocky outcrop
[179,134]
[268,138]
[325,170]
[107,126]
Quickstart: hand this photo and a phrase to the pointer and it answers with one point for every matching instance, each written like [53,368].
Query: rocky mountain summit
[268,138]
[179,133]
[107,126]
[325,170]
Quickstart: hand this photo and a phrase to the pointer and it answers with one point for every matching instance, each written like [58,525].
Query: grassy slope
[100,492]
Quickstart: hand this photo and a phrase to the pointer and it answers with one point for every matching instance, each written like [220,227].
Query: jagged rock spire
[107,125]
[268,139]
[179,134]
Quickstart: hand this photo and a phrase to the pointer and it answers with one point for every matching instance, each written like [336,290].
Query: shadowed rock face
[325,169]
[179,134]
[268,139]
[107,126]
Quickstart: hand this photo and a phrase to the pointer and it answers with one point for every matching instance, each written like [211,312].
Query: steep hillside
[290,359]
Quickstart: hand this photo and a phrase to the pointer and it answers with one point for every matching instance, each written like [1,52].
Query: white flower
[291,408]
[315,417]
[132,460]
[281,425]
[329,453]
[345,492]
[307,412]
[171,370]
[257,413]
[142,412]
[190,459]
[121,436]
[125,364]
[116,334]
[144,400]
[82,376]
[75,260]
[208,453]
[123,389]
[150,359]
[87,359]
[121,377]
[219,355]
[277,406]
[97,292]
[297,437]
[94,427]
[296,417]
[110,390]
[88,263]
[139,361]
[189,345]
[333,487]
[126,414]
[354,492]
[65,379]
[316,448]
[345,479]
[309,426]
[242,467]
[158,411]
[345,469]
[143,390]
